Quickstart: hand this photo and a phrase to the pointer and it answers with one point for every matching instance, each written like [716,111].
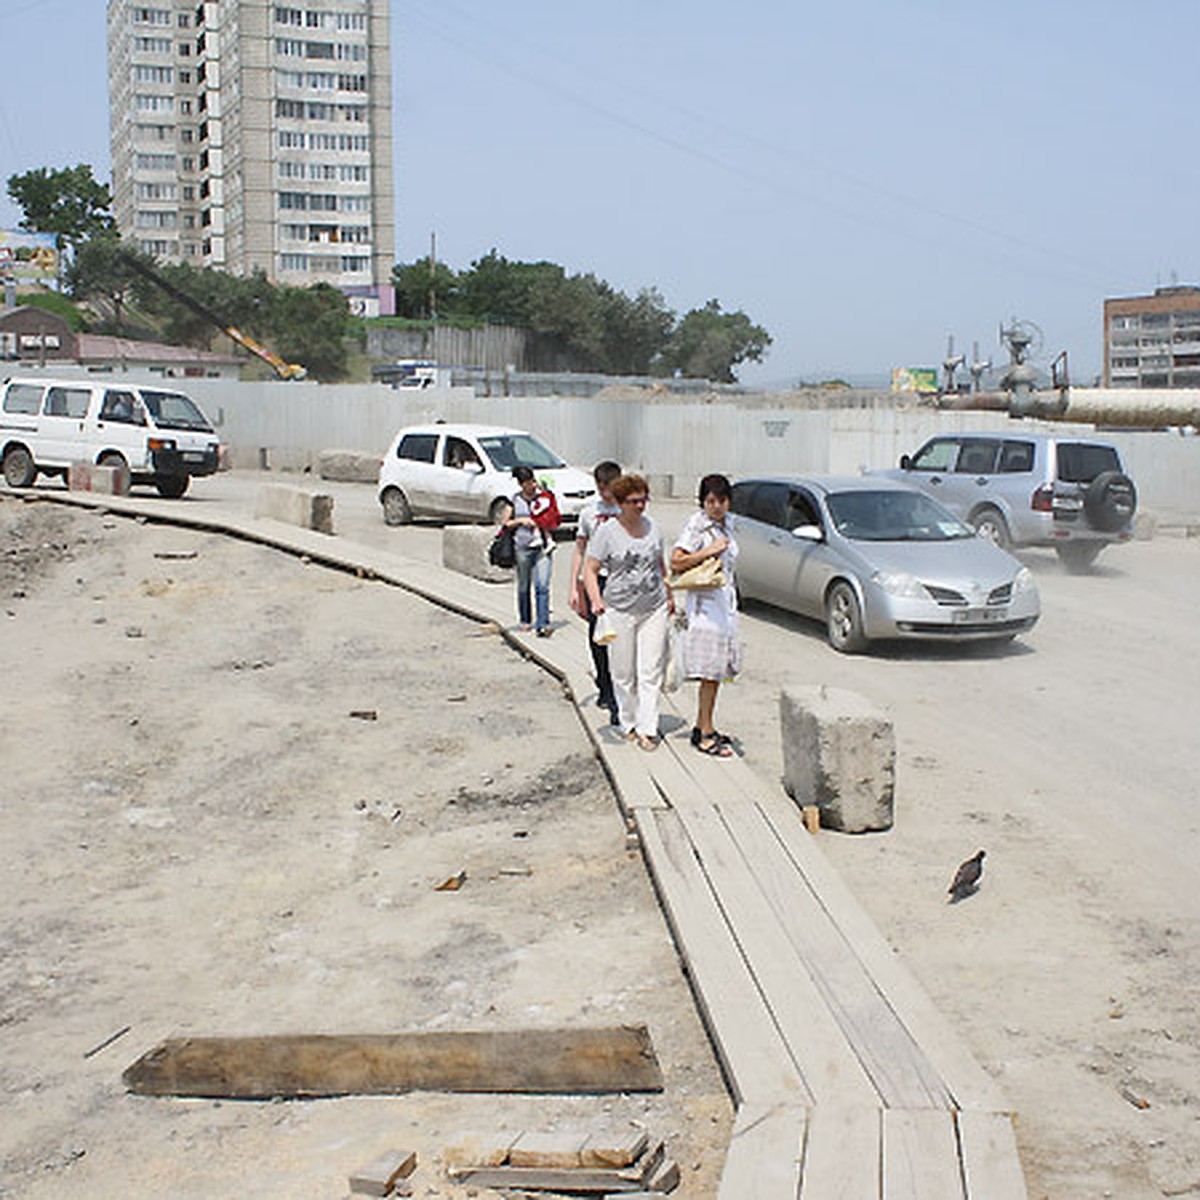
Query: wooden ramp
[848,1083]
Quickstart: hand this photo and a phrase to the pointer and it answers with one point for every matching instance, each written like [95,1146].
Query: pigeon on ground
[966,878]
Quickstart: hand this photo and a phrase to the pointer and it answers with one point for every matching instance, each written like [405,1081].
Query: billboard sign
[914,379]
[27,255]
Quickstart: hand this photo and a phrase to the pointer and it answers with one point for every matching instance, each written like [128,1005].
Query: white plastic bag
[604,632]
[675,666]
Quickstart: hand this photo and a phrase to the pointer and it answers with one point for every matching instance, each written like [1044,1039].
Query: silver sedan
[875,560]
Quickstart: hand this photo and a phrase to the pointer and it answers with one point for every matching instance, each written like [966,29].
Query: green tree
[100,270]
[67,201]
[308,326]
[635,331]
[709,343]
[418,286]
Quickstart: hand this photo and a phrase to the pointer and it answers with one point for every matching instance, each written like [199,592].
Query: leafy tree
[308,325]
[101,270]
[708,344]
[635,331]
[68,202]
[416,284]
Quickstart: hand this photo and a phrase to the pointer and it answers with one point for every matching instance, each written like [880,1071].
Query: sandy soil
[196,837]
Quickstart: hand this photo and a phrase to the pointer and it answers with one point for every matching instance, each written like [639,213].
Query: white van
[160,436]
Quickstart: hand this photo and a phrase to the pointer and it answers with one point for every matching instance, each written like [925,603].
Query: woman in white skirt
[712,647]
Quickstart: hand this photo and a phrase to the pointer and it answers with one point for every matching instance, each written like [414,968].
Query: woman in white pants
[639,605]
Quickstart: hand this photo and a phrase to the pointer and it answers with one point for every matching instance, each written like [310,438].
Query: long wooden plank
[828,1063]
[765,1149]
[968,1083]
[606,1059]
[756,1060]
[987,1144]
[843,1154]
[890,1056]
[920,1156]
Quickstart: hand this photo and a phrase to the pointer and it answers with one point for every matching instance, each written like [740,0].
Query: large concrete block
[87,477]
[295,506]
[839,753]
[465,549]
[348,466]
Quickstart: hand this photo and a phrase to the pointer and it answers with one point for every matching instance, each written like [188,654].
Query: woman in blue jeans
[534,547]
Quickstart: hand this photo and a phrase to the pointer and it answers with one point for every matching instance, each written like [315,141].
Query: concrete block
[465,550]
[1145,526]
[380,1176]
[87,477]
[348,466]
[295,506]
[839,753]
[554,1149]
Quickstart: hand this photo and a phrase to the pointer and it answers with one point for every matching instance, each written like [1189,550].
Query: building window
[288,16]
[293,262]
[151,16]
[354,263]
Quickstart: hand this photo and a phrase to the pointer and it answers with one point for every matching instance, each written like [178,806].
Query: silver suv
[1033,489]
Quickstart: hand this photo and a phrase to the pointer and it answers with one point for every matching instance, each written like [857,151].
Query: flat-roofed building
[1153,341]
[255,136]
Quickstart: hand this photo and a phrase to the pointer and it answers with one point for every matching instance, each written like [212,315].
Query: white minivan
[159,435]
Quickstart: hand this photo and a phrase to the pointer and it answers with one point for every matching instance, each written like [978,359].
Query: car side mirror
[808,533]
[906,462]
[473,468]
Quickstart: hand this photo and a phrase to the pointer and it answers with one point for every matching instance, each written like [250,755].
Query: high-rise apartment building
[247,135]
[1153,341]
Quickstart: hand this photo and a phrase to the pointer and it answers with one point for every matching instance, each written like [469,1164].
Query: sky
[863,179]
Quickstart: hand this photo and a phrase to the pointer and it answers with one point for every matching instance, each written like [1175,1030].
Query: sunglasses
[638,500]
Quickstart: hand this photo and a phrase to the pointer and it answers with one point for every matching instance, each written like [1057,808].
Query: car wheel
[396,509]
[19,468]
[989,523]
[498,510]
[1110,501]
[843,620]
[171,486]
[1078,557]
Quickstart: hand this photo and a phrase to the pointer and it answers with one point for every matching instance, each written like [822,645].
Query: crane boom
[285,370]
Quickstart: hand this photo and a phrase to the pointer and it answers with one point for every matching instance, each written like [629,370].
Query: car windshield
[893,516]
[173,410]
[508,450]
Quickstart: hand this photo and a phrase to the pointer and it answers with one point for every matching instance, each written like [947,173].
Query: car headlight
[900,583]
[1023,581]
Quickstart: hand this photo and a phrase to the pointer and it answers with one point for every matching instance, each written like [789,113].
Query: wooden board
[843,1154]
[987,1144]
[796,1005]
[606,1059]
[755,1058]
[920,1156]
[765,1149]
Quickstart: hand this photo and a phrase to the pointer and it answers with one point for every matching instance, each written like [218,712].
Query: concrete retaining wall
[673,439]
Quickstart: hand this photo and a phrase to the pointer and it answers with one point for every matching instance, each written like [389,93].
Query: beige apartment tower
[250,135]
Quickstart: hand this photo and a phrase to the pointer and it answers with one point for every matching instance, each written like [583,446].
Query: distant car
[1029,489]
[464,472]
[875,560]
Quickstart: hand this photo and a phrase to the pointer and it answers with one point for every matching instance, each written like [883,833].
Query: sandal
[698,737]
[646,742]
[712,744]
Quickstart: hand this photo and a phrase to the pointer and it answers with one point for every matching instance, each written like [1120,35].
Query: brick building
[1153,341]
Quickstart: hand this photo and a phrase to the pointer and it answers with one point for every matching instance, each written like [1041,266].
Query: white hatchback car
[465,471]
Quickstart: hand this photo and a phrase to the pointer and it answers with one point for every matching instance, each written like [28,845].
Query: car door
[62,433]
[771,559]
[973,476]
[414,466]
[120,425]
[459,481]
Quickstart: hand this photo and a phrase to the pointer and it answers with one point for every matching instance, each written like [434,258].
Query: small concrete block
[378,1177]
[665,1178]
[839,753]
[295,506]
[1145,526]
[348,466]
[480,1149]
[620,1150]
[557,1149]
[465,550]
[108,481]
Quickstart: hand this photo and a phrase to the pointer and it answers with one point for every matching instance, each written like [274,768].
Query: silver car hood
[955,562]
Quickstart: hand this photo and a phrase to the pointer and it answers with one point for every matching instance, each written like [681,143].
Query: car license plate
[193,456]
[977,616]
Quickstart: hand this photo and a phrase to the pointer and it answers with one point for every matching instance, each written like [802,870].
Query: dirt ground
[197,838]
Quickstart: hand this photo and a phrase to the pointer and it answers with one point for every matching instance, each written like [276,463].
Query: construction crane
[285,370]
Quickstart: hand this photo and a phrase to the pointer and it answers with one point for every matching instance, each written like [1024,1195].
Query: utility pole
[433,276]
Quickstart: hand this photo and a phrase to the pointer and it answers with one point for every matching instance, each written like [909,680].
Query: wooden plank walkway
[849,1084]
